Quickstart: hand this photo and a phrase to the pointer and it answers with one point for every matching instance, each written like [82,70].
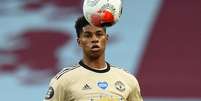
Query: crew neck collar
[95,70]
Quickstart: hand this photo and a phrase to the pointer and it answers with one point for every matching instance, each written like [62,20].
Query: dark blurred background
[161,37]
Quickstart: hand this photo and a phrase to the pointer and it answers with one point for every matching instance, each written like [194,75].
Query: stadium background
[156,40]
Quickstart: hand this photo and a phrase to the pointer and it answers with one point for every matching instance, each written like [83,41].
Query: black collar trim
[95,70]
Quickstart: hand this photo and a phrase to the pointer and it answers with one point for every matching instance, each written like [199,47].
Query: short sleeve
[135,94]
[55,92]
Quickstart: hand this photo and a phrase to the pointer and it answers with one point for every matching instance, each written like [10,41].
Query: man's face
[93,41]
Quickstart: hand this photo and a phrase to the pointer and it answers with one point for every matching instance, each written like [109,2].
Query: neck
[96,63]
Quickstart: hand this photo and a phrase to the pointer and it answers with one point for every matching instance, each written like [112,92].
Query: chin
[94,56]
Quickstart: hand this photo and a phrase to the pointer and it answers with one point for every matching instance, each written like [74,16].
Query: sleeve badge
[50,93]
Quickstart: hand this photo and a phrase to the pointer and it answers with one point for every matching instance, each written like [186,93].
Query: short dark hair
[80,23]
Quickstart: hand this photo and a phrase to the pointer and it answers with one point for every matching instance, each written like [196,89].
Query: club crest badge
[120,86]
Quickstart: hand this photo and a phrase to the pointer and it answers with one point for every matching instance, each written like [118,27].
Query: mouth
[95,48]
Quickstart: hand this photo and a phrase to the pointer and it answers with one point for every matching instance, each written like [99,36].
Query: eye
[87,34]
[99,33]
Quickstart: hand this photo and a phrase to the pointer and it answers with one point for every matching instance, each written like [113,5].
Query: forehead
[90,28]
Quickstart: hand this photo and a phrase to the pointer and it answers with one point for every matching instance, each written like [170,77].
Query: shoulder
[126,74]
[61,79]
[66,70]
[120,69]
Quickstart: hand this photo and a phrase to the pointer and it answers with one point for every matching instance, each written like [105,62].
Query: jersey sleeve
[56,91]
[135,94]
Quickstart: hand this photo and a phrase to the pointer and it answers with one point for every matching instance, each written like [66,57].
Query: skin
[93,41]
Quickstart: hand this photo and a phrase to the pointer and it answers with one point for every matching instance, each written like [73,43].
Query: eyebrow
[87,32]
[99,31]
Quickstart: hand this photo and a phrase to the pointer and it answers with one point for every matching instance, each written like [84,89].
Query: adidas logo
[86,86]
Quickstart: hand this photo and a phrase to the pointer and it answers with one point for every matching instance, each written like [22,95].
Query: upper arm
[56,91]
[135,94]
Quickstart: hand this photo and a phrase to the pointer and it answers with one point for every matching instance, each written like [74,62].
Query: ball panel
[102,13]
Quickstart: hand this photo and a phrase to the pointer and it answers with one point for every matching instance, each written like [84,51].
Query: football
[102,13]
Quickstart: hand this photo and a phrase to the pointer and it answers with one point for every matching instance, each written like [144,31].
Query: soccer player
[93,79]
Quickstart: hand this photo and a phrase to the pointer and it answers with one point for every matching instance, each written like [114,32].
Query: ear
[78,41]
[107,37]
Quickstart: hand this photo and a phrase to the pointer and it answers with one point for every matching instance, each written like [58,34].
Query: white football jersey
[82,83]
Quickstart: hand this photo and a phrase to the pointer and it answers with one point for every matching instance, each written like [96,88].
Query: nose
[94,39]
